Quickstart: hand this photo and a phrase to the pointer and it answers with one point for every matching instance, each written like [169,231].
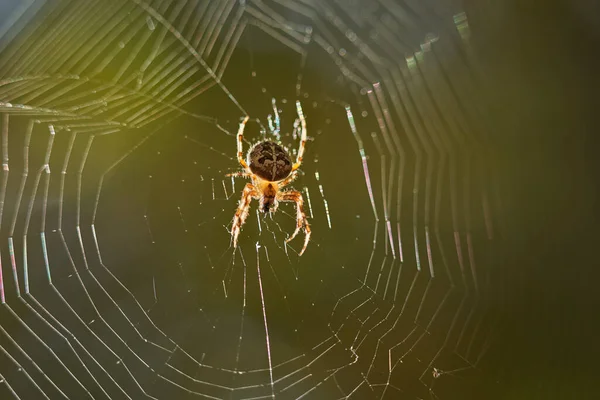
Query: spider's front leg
[295,196]
[240,143]
[303,137]
[239,174]
[242,211]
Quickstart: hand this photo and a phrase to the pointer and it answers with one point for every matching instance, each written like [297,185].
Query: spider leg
[240,143]
[295,196]
[288,180]
[302,138]
[242,211]
[240,174]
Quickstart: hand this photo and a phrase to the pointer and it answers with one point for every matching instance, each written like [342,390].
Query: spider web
[118,279]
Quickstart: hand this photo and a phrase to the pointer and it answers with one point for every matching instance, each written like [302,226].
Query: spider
[270,168]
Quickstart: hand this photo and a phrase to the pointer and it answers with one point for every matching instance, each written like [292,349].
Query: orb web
[118,278]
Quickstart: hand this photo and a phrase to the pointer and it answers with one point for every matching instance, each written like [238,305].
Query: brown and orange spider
[270,168]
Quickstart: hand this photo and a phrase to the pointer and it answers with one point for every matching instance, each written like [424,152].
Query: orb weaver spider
[269,167]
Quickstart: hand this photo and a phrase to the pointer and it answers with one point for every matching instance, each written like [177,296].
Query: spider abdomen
[269,161]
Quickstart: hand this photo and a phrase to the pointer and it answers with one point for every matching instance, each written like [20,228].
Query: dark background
[542,55]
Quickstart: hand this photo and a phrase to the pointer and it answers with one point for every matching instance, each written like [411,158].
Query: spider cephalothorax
[270,168]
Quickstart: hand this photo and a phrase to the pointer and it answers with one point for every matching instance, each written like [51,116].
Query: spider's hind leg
[301,220]
[242,211]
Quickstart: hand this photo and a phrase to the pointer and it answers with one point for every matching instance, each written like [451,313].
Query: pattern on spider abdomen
[269,161]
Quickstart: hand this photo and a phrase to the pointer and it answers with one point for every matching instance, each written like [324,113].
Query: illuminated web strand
[75,59]
[20,193]
[467,144]
[317,385]
[78,229]
[352,312]
[46,170]
[239,344]
[266,25]
[355,347]
[474,334]
[43,168]
[99,315]
[467,322]
[44,212]
[119,93]
[454,198]
[5,168]
[72,337]
[389,277]
[434,124]
[13,263]
[423,134]
[67,342]
[402,101]
[218,13]
[435,130]
[382,156]
[277,280]
[140,308]
[227,195]
[317,177]
[277,120]
[393,326]
[191,50]
[368,269]
[24,354]
[399,150]
[410,350]
[5,172]
[264,312]
[381,268]
[2,296]
[24,371]
[92,303]
[25,266]
[9,387]
[274,129]
[115,164]
[386,186]
[363,157]
[86,326]
[58,33]
[267,14]
[279,230]
[95,52]
[470,250]
[80,172]
[462,26]
[310,211]
[305,377]
[230,41]
[63,177]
